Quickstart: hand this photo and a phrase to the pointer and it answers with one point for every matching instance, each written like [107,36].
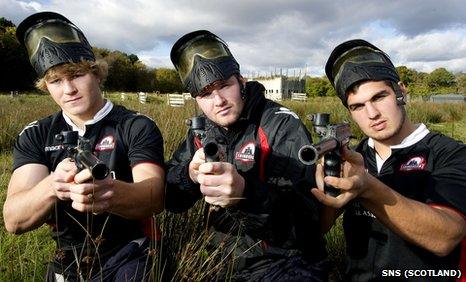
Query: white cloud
[269,35]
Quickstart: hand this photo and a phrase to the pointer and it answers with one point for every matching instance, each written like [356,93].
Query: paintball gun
[332,138]
[212,150]
[79,150]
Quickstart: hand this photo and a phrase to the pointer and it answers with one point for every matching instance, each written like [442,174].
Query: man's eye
[355,107]
[77,75]
[54,81]
[203,94]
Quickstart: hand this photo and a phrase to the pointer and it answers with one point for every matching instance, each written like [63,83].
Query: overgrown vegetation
[184,236]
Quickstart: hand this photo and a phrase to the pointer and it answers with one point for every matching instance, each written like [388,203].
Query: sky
[294,36]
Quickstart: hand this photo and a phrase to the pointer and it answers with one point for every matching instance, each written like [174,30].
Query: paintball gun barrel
[212,150]
[333,137]
[79,150]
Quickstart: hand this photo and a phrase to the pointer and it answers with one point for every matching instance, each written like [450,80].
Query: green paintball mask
[51,39]
[201,58]
[357,60]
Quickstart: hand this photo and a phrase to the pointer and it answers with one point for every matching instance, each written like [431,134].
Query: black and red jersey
[432,170]
[278,209]
[121,139]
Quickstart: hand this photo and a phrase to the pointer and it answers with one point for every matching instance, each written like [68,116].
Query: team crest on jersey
[415,163]
[246,153]
[105,144]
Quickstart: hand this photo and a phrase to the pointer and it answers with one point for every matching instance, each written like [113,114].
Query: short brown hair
[99,68]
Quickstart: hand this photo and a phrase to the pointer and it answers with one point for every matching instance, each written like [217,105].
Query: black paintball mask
[51,39]
[357,60]
[202,58]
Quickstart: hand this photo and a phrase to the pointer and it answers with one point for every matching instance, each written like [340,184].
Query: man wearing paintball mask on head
[97,217]
[404,189]
[263,212]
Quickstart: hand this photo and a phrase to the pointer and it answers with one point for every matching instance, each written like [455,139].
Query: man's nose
[219,100]
[68,87]
[372,111]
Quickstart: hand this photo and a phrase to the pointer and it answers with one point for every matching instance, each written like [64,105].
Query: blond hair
[99,68]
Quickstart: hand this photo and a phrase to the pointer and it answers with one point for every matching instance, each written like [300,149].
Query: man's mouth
[73,100]
[223,110]
[380,125]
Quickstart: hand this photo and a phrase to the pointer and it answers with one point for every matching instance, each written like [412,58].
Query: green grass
[24,257]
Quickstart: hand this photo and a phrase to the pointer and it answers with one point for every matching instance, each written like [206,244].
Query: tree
[440,78]
[4,23]
[318,87]
[407,75]
[461,83]
[16,72]
[133,59]
[168,81]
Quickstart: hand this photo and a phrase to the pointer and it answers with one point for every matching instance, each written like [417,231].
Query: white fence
[142,96]
[298,97]
[176,100]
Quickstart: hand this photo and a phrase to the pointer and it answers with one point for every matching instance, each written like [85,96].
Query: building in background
[447,98]
[281,87]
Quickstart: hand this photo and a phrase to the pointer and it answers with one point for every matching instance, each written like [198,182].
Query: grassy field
[24,257]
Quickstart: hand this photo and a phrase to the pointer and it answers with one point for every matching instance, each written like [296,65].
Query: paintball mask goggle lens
[359,55]
[54,30]
[206,47]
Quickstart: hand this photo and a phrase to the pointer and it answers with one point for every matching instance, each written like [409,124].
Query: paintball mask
[51,39]
[357,60]
[201,58]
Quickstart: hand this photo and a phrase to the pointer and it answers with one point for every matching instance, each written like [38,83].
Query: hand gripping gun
[332,138]
[79,149]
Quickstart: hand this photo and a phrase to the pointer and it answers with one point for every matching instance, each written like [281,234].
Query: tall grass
[185,239]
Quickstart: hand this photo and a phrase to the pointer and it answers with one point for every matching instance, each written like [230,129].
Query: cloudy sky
[269,35]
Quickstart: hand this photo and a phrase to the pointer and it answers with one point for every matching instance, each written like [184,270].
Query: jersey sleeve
[29,147]
[449,175]
[181,193]
[145,142]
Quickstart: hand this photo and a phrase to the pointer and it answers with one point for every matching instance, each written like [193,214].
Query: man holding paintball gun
[264,213]
[97,217]
[404,189]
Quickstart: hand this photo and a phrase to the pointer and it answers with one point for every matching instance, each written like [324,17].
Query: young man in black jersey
[404,189]
[265,220]
[98,224]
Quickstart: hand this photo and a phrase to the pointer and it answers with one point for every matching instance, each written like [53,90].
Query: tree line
[128,73]
[439,81]
[125,71]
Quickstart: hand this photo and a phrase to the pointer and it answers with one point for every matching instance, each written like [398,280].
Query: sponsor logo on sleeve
[246,153]
[414,163]
[105,144]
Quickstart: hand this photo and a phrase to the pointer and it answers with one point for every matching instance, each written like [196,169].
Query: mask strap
[242,88]
[400,99]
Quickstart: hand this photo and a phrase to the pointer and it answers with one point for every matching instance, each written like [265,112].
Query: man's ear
[98,78]
[242,80]
[403,89]
[401,100]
